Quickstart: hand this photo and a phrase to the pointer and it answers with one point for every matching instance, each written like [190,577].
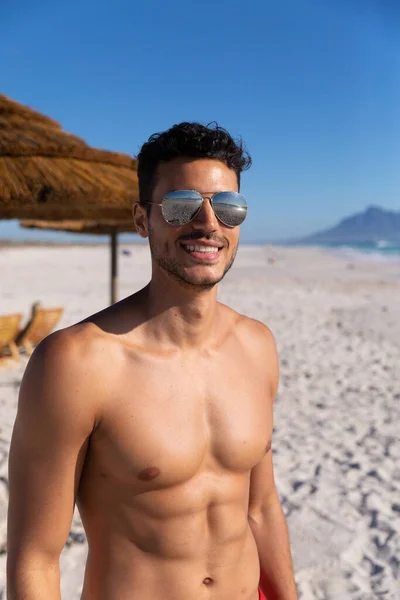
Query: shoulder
[73,349]
[259,345]
[252,333]
[257,333]
[68,371]
[259,341]
[90,353]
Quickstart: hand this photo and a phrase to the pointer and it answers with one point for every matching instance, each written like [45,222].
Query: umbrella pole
[114,267]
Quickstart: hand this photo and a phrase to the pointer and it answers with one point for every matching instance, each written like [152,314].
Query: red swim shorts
[261,595]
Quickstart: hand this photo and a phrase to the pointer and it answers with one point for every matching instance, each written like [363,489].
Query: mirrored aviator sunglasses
[182,206]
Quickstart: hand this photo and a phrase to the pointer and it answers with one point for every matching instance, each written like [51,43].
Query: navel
[208,581]
[149,474]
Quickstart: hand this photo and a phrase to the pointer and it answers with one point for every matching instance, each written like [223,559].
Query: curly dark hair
[191,140]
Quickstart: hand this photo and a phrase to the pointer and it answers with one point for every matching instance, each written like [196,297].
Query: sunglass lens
[180,207]
[230,208]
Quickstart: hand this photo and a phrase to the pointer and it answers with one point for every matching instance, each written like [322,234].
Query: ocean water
[381,250]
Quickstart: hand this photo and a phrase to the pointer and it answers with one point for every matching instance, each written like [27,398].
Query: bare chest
[169,421]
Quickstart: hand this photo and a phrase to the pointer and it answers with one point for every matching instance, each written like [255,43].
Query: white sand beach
[336,437]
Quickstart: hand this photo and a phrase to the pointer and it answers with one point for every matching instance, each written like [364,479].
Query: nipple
[149,473]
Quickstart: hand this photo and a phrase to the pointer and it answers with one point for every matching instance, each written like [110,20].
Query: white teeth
[206,249]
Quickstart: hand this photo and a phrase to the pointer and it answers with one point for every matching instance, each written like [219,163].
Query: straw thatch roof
[46,173]
[95,227]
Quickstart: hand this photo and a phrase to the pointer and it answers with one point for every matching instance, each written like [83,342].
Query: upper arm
[270,360]
[263,491]
[54,420]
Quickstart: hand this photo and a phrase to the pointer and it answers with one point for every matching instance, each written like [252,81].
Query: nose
[206,218]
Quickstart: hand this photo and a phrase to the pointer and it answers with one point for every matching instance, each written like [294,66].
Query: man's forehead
[202,174]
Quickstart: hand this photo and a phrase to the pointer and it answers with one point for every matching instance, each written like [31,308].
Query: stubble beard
[177,273]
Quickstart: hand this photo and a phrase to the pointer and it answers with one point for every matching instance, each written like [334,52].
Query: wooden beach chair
[9,328]
[41,323]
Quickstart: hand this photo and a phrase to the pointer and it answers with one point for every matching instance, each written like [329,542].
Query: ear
[139,213]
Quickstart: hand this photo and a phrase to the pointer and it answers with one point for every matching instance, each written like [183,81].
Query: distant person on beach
[155,415]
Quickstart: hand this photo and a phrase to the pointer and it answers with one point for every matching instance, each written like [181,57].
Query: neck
[178,314]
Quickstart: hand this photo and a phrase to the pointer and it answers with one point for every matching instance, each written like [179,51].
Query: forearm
[27,581]
[271,535]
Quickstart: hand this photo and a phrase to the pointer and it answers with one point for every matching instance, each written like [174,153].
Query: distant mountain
[372,225]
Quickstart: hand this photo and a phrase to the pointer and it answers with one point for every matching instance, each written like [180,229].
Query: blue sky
[313,87]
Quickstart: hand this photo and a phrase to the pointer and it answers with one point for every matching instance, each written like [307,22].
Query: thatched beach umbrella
[46,173]
[111,228]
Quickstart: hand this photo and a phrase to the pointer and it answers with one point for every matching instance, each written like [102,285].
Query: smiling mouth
[202,252]
[207,251]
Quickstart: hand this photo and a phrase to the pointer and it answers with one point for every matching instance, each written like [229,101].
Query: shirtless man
[155,415]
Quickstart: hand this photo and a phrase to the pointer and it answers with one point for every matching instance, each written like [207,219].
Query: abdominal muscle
[191,541]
